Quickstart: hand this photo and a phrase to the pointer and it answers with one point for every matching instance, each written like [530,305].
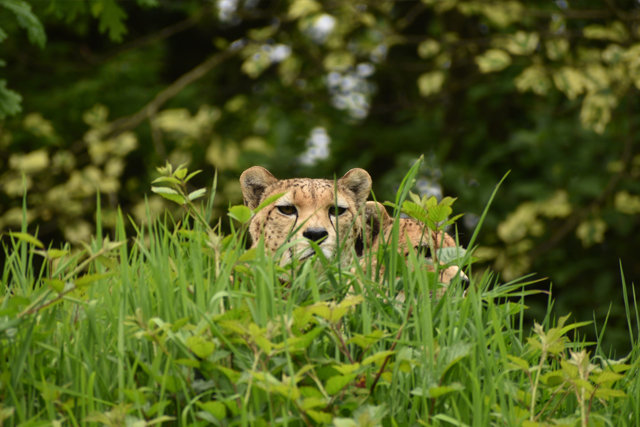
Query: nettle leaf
[433,392]
[553,378]
[606,393]
[518,362]
[439,213]
[347,368]
[319,417]
[304,341]
[606,376]
[56,253]
[312,402]
[450,254]
[200,346]
[55,284]
[365,341]
[338,382]
[414,210]
[377,357]
[217,409]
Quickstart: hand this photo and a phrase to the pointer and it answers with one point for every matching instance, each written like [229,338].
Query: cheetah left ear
[254,181]
[358,182]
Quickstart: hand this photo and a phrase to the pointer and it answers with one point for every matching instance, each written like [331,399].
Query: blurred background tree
[95,94]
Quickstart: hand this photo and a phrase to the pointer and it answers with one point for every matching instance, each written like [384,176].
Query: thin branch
[147,39]
[132,121]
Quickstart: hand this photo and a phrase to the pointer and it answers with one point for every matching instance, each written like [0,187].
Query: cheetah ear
[375,213]
[358,182]
[377,219]
[253,182]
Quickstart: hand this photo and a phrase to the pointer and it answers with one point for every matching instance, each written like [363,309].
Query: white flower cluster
[351,91]
[226,10]
[429,187]
[317,147]
[321,28]
[277,52]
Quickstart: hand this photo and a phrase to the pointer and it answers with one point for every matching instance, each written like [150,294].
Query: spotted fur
[306,211]
[378,226]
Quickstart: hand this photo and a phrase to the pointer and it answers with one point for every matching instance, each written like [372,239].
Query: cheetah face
[310,210]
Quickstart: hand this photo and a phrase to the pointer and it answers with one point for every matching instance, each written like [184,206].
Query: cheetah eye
[288,209]
[336,210]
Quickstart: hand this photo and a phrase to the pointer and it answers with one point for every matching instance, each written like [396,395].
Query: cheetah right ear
[375,215]
[358,182]
[253,182]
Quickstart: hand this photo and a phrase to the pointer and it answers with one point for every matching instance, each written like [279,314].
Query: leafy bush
[182,325]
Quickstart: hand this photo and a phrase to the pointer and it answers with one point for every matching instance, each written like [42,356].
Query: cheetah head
[318,210]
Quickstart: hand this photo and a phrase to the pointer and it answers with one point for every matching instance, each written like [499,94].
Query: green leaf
[312,402]
[200,346]
[25,237]
[606,393]
[55,284]
[111,17]
[217,409]
[56,253]
[377,357]
[439,213]
[248,255]
[169,179]
[347,369]
[197,194]
[192,363]
[303,341]
[240,213]
[433,392]
[27,20]
[493,60]
[450,254]
[268,201]
[521,363]
[233,376]
[606,376]
[181,172]
[169,193]
[365,341]
[90,278]
[191,175]
[431,83]
[319,417]
[338,382]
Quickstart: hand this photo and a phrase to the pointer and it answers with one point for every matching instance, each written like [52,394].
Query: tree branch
[132,121]
[147,39]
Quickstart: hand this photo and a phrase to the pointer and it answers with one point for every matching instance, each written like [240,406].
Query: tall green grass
[182,326]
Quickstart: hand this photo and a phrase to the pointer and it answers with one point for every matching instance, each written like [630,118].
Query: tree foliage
[310,88]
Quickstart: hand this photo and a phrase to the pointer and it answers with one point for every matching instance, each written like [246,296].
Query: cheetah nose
[315,234]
